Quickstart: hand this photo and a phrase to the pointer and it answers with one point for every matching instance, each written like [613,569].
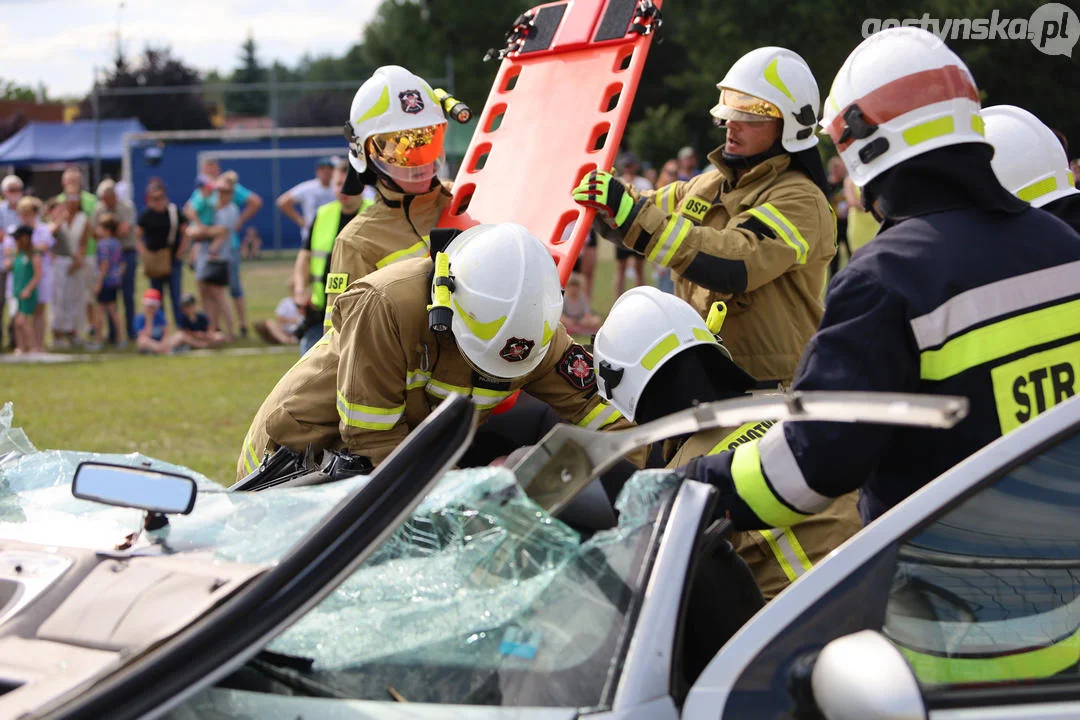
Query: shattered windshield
[481,598]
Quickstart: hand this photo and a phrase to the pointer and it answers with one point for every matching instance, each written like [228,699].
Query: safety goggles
[408,148]
[735,105]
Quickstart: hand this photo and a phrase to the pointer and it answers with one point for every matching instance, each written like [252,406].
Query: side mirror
[863,676]
[150,490]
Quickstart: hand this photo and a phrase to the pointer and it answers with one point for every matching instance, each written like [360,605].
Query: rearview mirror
[150,490]
[863,676]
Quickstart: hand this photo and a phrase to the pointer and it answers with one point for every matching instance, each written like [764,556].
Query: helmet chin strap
[745,162]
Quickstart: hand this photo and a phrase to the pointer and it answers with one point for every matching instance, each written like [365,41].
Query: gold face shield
[735,105]
[408,148]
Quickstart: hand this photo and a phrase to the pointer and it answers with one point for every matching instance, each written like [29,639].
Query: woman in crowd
[70,228]
[28,209]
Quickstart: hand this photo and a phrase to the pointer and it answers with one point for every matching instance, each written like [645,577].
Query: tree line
[696,45]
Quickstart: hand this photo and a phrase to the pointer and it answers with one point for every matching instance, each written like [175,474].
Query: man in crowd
[313,260]
[686,160]
[758,232]
[966,291]
[124,212]
[310,195]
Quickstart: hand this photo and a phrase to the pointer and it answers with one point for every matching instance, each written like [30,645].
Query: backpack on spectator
[158,263]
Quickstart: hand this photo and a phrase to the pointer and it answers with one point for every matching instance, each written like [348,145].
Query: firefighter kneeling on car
[480,319]
[655,356]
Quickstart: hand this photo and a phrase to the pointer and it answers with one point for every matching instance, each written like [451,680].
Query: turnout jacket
[953,297]
[762,243]
[776,556]
[395,227]
[380,370]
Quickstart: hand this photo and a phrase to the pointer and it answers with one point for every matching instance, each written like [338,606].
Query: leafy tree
[253,102]
[10,90]
[658,135]
[155,67]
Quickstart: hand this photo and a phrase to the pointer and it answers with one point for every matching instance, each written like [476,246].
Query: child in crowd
[194,327]
[578,317]
[150,326]
[110,260]
[26,274]
[282,329]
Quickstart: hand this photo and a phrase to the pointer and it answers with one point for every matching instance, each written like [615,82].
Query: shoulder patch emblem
[336,283]
[576,366]
[516,349]
[695,208]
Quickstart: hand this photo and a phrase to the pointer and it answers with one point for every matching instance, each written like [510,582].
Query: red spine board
[542,127]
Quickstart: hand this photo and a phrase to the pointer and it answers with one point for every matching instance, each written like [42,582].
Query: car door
[975,579]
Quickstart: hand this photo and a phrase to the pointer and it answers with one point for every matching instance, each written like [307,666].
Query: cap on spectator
[11,182]
[151,297]
[187,299]
[325,162]
[106,185]
[340,162]
[686,152]
[23,230]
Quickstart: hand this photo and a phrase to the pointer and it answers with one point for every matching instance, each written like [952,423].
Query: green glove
[602,191]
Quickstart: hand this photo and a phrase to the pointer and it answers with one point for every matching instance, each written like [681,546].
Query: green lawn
[189,410]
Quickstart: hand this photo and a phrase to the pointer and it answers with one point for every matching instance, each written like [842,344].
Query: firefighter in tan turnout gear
[481,319]
[396,131]
[758,232]
[655,356]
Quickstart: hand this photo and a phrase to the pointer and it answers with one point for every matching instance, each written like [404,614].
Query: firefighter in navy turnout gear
[1031,163]
[313,260]
[654,356]
[481,319]
[966,291]
[757,233]
[396,131]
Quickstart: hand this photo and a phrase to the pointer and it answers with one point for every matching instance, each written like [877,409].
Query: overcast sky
[58,42]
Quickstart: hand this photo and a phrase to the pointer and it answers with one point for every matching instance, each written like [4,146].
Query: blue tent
[45,142]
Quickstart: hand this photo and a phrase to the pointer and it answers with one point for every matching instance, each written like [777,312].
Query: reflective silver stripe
[442,390]
[321,254]
[987,302]
[367,417]
[485,399]
[790,234]
[672,236]
[417,379]
[779,539]
[785,477]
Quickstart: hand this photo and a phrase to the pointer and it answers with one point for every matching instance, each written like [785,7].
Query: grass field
[189,410]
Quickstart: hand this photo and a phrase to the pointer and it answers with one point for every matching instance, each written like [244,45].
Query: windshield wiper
[291,671]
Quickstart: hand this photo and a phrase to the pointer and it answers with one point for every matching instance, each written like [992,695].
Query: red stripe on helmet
[903,95]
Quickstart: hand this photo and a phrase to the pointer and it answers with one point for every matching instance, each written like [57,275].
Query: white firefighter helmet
[645,329]
[901,93]
[1028,158]
[772,83]
[397,124]
[506,299]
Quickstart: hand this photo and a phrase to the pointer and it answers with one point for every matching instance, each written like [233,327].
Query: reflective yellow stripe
[417,379]
[772,76]
[1000,339]
[783,227]
[484,398]
[742,434]
[1041,663]
[482,330]
[250,458]
[366,416]
[789,570]
[665,198]
[670,240]
[659,351]
[704,336]
[418,249]
[929,130]
[381,105]
[1037,189]
[548,334]
[978,124]
[751,486]
[442,390]
[601,415]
